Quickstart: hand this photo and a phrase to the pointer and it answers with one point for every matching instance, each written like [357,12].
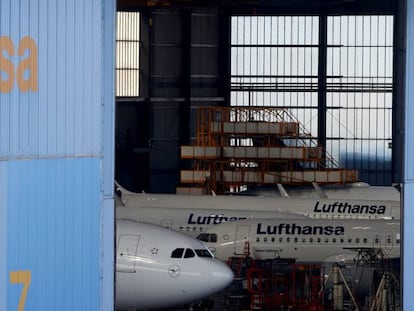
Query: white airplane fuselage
[193,221]
[192,214]
[356,191]
[310,207]
[316,240]
[158,268]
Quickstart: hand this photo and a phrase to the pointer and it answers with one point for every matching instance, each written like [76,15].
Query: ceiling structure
[270,6]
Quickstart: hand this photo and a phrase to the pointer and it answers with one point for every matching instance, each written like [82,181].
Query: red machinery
[281,284]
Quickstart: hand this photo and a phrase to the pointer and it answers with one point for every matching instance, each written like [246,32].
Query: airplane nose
[221,276]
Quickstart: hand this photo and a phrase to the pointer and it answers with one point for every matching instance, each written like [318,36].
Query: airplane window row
[320,240]
[190,253]
[319,216]
[209,237]
[188,228]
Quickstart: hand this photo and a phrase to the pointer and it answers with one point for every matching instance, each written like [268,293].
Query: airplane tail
[282,191]
[319,190]
[122,190]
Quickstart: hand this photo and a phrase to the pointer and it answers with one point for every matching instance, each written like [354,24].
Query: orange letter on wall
[6,65]
[29,63]
[25,278]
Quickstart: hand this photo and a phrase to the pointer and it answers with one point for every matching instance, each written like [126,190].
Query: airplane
[193,214]
[356,191]
[307,241]
[159,268]
[192,221]
[353,245]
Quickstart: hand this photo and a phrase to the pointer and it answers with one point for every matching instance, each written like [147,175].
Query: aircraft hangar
[104,90]
[236,95]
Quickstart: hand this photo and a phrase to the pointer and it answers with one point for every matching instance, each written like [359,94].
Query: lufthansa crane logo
[174,271]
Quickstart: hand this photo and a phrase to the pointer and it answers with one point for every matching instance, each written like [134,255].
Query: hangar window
[359,94]
[127,54]
[282,61]
[274,62]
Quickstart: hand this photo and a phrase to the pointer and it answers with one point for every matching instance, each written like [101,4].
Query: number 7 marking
[21,277]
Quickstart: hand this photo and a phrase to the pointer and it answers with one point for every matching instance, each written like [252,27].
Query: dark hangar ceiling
[248,7]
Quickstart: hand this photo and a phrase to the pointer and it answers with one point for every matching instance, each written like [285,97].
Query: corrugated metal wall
[407,267]
[56,154]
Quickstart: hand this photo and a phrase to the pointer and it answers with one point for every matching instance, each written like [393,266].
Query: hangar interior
[330,73]
[334,65]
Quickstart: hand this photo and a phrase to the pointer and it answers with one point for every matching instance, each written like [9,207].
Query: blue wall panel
[54,232]
[3,233]
[108,146]
[56,154]
[408,189]
[68,37]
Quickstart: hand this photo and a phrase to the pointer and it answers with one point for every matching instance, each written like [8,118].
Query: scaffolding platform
[237,146]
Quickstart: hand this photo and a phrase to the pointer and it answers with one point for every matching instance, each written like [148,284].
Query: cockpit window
[189,253]
[203,253]
[207,237]
[177,253]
